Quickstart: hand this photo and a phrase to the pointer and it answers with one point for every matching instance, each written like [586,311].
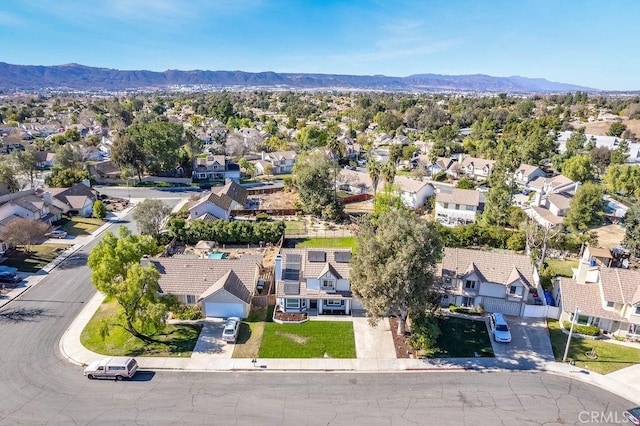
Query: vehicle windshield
[228,331]
[502,327]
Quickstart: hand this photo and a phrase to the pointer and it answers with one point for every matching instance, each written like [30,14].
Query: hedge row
[587,330]
[225,232]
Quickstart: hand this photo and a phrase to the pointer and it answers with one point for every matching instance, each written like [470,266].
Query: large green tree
[149,215]
[393,270]
[616,129]
[26,162]
[128,154]
[632,231]
[116,271]
[585,209]
[497,204]
[161,142]
[622,178]
[314,177]
[578,168]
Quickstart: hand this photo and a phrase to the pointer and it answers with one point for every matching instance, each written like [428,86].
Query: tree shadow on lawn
[180,342]
[462,338]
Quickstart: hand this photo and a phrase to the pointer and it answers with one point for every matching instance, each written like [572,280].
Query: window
[634,329]
[468,301]
[191,299]
[610,304]
[515,290]
[446,205]
[327,284]
[469,284]
[292,303]
[447,281]
[637,312]
[334,302]
[457,206]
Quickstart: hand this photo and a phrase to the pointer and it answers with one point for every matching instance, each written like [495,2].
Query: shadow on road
[143,376]
[74,261]
[23,315]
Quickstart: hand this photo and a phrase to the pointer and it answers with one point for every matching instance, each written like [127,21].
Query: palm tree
[388,172]
[374,168]
[335,147]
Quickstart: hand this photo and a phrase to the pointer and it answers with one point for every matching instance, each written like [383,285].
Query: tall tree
[116,271]
[632,230]
[126,153]
[393,270]
[585,209]
[150,215]
[620,154]
[313,176]
[27,162]
[388,172]
[498,201]
[8,176]
[616,129]
[374,168]
[578,168]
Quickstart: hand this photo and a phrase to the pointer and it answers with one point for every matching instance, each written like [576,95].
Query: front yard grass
[462,338]
[79,226]
[251,332]
[611,357]
[175,341]
[340,242]
[38,258]
[311,339]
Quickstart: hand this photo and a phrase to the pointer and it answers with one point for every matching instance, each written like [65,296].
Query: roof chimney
[278,268]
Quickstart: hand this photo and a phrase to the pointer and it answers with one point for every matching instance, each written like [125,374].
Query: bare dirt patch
[403,350]
[293,337]
[610,236]
[278,200]
[600,128]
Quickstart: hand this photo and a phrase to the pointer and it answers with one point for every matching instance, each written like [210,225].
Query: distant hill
[80,77]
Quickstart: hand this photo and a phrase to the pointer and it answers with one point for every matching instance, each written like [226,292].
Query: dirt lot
[610,236]
[600,128]
[277,200]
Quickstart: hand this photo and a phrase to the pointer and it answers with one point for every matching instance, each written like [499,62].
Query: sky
[593,43]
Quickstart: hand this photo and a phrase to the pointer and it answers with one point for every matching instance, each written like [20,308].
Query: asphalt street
[37,386]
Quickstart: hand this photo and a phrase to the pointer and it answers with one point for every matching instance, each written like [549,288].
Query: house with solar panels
[314,281]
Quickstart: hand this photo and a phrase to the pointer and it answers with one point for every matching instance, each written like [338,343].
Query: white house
[460,206]
[501,282]
[604,297]
[281,161]
[414,192]
[315,281]
[610,142]
[219,203]
[78,199]
[476,168]
[526,173]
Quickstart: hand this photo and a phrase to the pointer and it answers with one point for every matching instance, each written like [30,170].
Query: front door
[313,304]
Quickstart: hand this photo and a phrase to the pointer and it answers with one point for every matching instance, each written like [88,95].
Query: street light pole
[566,350]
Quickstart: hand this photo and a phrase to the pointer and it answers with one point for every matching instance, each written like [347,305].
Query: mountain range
[80,77]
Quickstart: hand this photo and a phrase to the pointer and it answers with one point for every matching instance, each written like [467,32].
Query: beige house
[501,282]
[604,297]
[460,206]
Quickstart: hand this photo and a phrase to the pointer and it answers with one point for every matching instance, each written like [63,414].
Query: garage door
[501,306]
[224,310]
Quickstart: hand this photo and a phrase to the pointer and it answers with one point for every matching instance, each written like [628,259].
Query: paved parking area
[210,343]
[530,344]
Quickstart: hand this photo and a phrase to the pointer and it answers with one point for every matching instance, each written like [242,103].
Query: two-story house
[315,281]
[549,210]
[460,206]
[282,162]
[527,173]
[219,203]
[602,296]
[559,183]
[27,204]
[501,282]
[215,167]
[413,192]
[476,168]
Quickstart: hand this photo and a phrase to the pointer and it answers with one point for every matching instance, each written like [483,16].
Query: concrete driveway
[373,342]
[210,343]
[530,345]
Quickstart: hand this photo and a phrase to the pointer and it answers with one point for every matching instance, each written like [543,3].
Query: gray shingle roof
[586,297]
[494,267]
[231,283]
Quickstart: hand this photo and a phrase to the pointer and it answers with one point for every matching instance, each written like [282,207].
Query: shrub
[424,332]
[262,217]
[187,312]
[463,310]
[586,330]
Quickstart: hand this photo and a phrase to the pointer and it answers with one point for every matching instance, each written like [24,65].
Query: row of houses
[316,282]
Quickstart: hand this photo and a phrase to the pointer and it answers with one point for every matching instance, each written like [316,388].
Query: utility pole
[566,350]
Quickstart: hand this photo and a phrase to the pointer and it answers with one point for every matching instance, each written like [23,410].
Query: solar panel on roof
[343,256]
[292,267]
[317,256]
[291,287]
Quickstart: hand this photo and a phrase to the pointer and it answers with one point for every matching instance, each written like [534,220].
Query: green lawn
[611,357]
[293,227]
[79,226]
[39,257]
[174,341]
[311,339]
[556,268]
[340,242]
[462,338]
[251,332]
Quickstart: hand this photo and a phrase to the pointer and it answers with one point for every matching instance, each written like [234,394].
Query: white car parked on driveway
[231,329]
[499,328]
